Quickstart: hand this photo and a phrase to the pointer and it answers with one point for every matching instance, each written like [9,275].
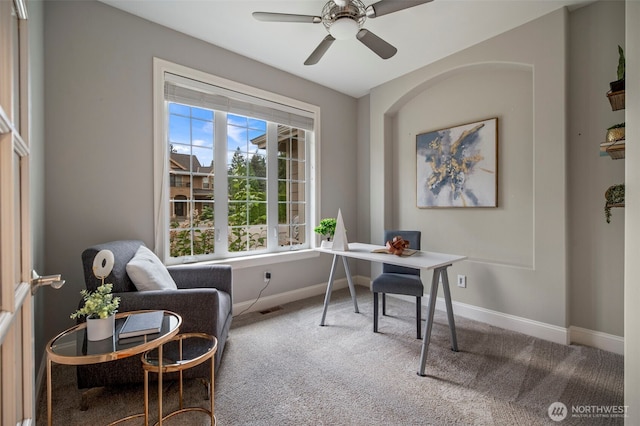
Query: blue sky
[191,132]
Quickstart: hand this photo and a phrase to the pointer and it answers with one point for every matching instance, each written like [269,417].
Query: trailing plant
[614,195]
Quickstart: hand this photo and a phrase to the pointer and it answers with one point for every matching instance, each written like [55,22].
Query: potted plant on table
[326,228]
[100,307]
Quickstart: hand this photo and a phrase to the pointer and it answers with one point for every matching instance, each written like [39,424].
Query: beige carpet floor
[282,368]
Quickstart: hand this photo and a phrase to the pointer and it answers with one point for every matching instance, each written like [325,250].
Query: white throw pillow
[148,273]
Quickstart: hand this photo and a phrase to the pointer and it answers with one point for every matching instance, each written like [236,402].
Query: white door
[16,316]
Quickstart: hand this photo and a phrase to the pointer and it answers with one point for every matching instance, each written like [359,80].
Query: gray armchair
[203,299]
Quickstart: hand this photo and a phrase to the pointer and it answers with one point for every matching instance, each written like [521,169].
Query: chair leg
[418,316]
[384,304]
[375,312]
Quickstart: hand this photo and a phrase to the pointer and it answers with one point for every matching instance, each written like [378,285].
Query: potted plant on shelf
[100,308]
[619,85]
[616,94]
[615,198]
[326,228]
[615,133]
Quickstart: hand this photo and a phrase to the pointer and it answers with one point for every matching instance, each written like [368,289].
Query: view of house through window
[232,179]
[191,162]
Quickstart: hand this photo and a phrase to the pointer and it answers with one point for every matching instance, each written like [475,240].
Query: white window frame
[161,174]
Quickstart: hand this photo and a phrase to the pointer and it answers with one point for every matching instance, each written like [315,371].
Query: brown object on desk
[397,245]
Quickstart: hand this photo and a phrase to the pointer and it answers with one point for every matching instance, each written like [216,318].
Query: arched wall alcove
[467,94]
[517,262]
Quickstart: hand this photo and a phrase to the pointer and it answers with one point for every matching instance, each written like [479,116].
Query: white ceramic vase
[326,244]
[100,328]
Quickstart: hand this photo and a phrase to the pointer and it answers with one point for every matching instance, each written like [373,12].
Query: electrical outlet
[267,276]
[462,281]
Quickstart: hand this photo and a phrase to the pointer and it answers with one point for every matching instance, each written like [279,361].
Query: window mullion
[220,184]
[272,186]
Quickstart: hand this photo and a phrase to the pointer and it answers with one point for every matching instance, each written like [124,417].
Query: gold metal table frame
[154,361]
[71,347]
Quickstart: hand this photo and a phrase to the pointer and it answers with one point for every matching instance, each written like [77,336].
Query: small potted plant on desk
[326,228]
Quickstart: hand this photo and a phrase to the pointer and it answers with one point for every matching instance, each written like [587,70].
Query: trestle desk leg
[427,333]
[352,288]
[447,300]
[327,296]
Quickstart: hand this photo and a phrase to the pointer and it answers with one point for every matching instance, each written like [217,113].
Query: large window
[236,173]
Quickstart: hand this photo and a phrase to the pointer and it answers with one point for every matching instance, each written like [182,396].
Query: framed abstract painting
[458,166]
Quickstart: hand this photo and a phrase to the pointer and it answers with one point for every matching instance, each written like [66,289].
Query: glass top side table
[182,352]
[71,347]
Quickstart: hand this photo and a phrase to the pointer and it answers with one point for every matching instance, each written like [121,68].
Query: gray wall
[99,147]
[596,249]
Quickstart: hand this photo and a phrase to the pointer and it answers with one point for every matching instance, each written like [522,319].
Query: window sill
[265,259]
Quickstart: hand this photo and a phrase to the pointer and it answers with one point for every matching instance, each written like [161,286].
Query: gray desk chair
[399,280]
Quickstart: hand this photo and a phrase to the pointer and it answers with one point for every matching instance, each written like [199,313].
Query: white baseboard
[526,326]
[552,333]
[267,302]
[597,339]
[541,330]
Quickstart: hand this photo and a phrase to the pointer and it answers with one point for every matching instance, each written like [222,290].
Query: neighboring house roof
[181,161]
[283,133]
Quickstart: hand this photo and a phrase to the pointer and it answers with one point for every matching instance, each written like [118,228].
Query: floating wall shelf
[616,99]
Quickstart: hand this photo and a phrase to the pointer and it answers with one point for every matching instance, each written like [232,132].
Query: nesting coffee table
[71,347]
[182,352]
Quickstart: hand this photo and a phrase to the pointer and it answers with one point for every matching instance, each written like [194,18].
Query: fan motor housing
[354,10]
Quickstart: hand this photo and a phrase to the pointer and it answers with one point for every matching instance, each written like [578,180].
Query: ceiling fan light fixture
[344,28]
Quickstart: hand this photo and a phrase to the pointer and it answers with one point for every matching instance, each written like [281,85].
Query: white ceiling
[422,34]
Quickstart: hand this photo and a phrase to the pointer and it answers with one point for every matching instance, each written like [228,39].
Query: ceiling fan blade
[375,43]
[317,54]
[384,7]
[286,17]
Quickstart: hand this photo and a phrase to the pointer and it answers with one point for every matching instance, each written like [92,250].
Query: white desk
[438,262]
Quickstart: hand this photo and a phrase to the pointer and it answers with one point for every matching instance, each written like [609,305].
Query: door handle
[38,281]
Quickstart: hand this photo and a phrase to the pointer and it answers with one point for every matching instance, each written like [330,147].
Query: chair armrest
[198,307]
[203,276]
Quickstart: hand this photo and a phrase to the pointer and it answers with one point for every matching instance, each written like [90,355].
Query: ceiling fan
[344,19]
